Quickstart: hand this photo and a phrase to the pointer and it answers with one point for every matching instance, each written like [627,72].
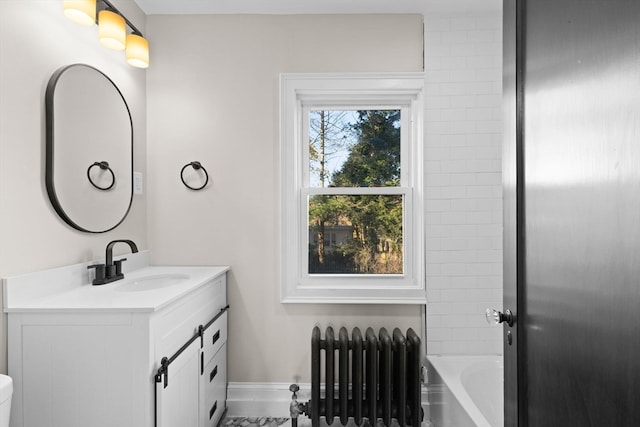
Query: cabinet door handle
[213,373]
[213,409]
[216,337]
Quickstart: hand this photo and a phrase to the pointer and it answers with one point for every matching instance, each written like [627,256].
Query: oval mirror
[89,149]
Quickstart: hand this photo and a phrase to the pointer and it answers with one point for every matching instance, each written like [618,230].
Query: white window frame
[298,94]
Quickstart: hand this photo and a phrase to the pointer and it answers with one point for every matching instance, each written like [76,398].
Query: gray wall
[213,97]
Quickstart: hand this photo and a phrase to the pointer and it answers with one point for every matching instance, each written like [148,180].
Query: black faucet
[111,270]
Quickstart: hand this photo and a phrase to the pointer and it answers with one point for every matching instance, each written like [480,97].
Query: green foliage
[375,246]
[375,159]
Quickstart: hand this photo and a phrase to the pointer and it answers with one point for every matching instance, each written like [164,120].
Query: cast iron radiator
[378,377]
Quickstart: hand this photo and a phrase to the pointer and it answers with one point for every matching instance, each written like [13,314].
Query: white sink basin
[152,282]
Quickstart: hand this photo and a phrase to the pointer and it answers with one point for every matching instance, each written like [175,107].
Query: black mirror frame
[49,140]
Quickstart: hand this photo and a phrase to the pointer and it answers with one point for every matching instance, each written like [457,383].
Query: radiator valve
[294,406]
[424,375]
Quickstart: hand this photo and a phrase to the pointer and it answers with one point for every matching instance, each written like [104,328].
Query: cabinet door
[178,402]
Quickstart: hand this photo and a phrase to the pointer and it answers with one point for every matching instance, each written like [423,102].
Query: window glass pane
[354,148]
[355,234]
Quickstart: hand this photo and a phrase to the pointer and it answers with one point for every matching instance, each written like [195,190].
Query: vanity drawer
[213,389]
[215,336]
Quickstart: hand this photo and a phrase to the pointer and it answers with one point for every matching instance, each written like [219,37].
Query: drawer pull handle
[213,373]
[216,337]
[213,409]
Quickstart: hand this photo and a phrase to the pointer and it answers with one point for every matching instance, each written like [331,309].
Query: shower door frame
[513,210]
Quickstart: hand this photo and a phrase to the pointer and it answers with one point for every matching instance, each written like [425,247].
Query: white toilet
[6,390]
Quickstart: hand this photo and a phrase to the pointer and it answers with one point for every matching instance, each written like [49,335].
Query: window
[351,180]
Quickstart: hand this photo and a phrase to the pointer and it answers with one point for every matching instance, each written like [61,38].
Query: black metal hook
[104,166]
[196,166]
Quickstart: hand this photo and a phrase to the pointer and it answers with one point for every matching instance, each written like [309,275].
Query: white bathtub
[466,391]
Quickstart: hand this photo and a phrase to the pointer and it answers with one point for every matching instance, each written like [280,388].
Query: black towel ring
[196,166]
[104,166]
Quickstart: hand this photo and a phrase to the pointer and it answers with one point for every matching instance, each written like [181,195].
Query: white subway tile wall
[463,181]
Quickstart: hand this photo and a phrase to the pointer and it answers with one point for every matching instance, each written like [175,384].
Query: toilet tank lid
[6,387]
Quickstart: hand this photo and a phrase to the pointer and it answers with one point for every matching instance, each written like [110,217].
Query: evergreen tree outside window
[351,179]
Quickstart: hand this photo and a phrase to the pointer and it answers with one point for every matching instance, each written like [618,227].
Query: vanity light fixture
[112,28]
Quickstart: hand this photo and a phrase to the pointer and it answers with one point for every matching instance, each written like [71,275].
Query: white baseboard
[262,399]
[269,399]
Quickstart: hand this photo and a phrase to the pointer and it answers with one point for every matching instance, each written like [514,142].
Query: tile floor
[253,422]
[275,422]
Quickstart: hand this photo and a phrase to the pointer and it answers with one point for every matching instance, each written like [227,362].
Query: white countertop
[69,289]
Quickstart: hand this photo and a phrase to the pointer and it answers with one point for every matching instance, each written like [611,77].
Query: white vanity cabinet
[98,363]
